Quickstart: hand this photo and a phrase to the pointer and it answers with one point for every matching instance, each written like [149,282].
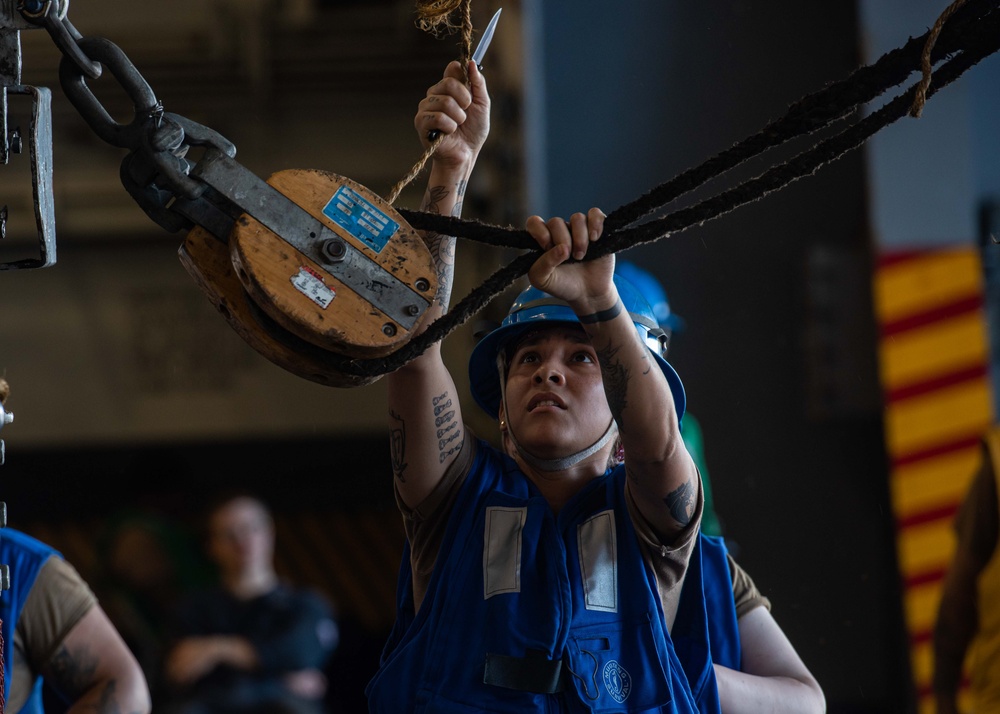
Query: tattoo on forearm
[443,250]
[442,247]
[680,501]
[616,377]
[432,197]
[444,420]
[397,446]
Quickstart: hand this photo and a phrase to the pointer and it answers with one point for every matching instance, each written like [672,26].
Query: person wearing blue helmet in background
[672,323]
[565,571]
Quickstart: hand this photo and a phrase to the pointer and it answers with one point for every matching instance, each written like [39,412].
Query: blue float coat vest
[515,583]
[25,557]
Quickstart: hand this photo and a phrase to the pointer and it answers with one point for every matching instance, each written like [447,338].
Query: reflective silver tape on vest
[502,552]
[598,546]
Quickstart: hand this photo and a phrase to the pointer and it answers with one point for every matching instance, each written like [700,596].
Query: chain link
[156,171]
[52,15]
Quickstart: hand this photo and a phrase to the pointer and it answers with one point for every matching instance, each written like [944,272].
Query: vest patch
[598,546]
[502,550]
[618,681]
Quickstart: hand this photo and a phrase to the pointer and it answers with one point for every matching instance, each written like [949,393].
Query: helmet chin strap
[547,464]
[566,461]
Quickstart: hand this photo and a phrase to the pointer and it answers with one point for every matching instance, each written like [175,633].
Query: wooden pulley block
[334,264]
[206,259]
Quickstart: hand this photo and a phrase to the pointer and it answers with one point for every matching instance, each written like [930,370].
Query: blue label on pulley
[359,217]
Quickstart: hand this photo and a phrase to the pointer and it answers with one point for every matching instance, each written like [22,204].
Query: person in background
[146,562]
[55,632]
[968,618]
[252,644]
[671,323]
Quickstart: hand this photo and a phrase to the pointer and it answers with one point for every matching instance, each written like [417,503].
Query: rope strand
[415,171]
[920,99]
[434,15]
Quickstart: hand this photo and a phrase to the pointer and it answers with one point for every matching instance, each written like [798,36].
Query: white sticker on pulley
[310,284]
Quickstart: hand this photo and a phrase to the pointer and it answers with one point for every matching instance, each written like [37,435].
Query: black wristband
[604,315]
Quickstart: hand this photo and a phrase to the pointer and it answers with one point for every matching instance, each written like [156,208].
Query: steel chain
[156,171]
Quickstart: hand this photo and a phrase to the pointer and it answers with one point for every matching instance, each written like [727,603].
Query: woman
[566,572]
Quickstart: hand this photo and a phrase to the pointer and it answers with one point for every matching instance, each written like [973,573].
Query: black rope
[808,115]
[805,163]
[973,32]
[816,111]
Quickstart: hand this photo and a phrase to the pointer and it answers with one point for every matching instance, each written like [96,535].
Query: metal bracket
[40,154]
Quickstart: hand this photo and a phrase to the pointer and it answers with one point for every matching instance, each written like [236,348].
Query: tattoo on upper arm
[108,703]
[680,501]
[616,378]
[450,434]
[72,673]
[646,362]
[397,446]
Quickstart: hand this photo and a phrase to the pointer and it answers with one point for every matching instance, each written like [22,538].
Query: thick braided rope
[981,37]
[925,59]
[804,164]
[808,115]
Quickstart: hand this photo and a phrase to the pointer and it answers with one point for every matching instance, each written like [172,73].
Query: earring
[503,424]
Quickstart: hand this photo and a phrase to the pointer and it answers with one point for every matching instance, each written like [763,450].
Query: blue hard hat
[534,308]
[653,291]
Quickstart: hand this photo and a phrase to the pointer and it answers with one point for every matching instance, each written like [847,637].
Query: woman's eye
[528,357]
[583,357]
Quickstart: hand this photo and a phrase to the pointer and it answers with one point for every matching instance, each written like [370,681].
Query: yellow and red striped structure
[934,366]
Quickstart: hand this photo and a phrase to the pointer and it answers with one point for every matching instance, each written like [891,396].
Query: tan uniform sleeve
[668,561]
[57,602]
[745,591]
[425,525]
